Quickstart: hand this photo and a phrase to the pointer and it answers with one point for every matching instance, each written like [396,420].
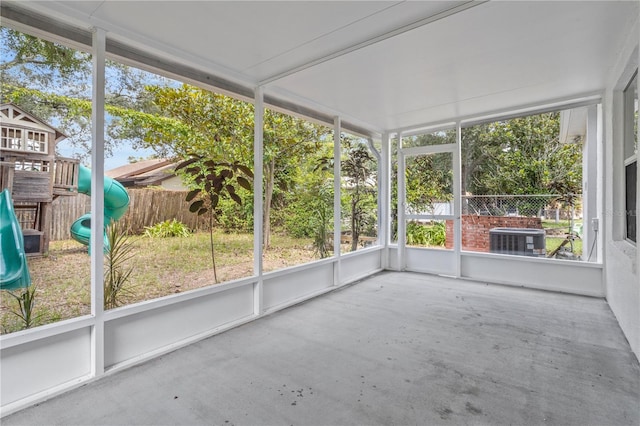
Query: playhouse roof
[13,115]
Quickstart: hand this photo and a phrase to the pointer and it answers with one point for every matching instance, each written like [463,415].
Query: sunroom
[413,82]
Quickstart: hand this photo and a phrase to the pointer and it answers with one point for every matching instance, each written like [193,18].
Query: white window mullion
[337,209]
[402,195]
[258,200]
[384,197]
[457,201]
[97,200]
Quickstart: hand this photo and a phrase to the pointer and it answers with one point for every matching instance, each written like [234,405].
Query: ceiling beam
[377,39]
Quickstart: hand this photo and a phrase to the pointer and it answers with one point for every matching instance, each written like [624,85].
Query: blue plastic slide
[14,272]
[116,202]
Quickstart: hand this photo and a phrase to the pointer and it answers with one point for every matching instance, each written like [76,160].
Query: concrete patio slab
[396,348]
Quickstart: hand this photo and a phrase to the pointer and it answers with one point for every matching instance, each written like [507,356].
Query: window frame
[9,138]
[27,140]
[630,156]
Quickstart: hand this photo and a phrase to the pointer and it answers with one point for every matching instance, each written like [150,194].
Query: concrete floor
[397,348]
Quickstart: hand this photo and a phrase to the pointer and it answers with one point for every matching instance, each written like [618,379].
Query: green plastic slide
[14,272]
[116,202]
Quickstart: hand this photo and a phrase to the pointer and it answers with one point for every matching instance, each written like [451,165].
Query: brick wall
[475,229]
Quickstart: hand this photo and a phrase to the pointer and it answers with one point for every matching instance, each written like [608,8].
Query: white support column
[457,200]
[402,195]
[600,197]
[258,199]
[337,209]
[590,215]
[97,201]
[379,192]
[384,197]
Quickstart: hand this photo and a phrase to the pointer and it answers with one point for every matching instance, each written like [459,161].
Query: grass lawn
[161,266]
[553,242]
[561,224]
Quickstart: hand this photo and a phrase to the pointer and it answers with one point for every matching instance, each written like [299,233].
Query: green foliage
[311,216]
[166,229]
[298,219]
[520,156]
[38,60]
[426,235]
[25,300]
[221,128]
[429,180]
[213,180]
[234,217]
[307,205]
[74,115]
[117,272]
[359,175]
[210,124]
[53,82]
[320,222]
[427,139]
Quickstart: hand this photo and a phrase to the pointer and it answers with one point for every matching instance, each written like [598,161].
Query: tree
[358,170]
[53,82]
[213,180]
[308,205]
[28,58]
[287,141]
[222,128]
[74,116]
[429,180]
[521,156]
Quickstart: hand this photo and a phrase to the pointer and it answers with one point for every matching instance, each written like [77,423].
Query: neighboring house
[158,172]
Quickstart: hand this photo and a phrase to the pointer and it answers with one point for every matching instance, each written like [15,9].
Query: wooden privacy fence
[146,208]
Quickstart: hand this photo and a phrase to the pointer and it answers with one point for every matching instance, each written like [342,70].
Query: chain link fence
[555,210]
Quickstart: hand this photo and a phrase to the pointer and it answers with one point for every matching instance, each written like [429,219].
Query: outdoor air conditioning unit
[519,241]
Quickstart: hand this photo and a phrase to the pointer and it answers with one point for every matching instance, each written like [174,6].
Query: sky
[117,81]
[120,156]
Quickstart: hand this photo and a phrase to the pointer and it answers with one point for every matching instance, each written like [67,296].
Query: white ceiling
[490,56]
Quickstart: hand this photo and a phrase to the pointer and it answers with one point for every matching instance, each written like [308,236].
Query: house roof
[143,173]
[379,65]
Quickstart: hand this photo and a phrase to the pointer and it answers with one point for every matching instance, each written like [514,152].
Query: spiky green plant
[26,303]
[117,272]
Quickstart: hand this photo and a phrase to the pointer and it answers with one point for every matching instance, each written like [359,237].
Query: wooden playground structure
[33,174]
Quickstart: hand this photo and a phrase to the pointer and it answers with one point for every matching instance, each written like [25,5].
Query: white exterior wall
[622,283]
[174,183]
[565,276]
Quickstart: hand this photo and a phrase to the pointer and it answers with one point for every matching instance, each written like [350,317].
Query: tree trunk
[213,253]
[269,174]
[355,232]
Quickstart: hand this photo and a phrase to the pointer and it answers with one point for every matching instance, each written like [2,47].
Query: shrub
[426,235]
[166,229]
[232,216]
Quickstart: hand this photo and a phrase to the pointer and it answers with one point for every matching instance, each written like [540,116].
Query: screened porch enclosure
[414,82]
